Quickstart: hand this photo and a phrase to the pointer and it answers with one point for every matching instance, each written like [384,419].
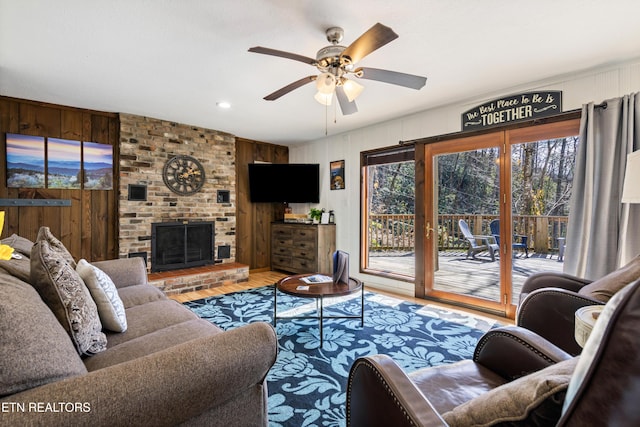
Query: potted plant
[315,214]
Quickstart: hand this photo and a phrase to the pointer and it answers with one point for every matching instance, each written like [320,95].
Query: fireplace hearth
[177,245]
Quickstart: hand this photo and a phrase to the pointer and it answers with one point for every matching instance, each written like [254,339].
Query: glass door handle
[428,230]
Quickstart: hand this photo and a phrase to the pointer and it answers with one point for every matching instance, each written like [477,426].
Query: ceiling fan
[336,64]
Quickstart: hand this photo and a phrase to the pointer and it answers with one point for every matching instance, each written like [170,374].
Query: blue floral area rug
[307,384]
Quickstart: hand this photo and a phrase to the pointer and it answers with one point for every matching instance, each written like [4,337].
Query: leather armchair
[601,387]
[380,393]
[548,301]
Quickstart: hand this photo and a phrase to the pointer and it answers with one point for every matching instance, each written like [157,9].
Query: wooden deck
[478,277]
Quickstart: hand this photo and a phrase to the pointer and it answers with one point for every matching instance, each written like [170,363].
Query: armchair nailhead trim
[483,343]
[365,363]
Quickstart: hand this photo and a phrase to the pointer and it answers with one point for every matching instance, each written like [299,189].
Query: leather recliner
[548,301]
[515,378]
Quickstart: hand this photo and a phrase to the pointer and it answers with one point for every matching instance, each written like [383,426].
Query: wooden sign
[511,109]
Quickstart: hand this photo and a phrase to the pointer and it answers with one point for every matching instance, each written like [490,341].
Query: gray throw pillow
[606,287]
[535,399]
[62,289]
[105,295]
[20,244]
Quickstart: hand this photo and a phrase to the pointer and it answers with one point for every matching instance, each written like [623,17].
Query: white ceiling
[175,59]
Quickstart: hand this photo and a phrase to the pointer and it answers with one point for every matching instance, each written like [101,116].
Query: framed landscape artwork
[98,166]
[63,164]
[25,161]
[69,164]
[336,171]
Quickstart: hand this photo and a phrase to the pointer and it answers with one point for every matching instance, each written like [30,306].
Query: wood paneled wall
[88,228]
[253,223]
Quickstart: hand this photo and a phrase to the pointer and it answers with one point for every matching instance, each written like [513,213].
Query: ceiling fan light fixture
[334,63]
[326,83]
[352,89]
[323,98]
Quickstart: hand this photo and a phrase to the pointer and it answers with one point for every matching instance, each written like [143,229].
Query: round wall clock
[183,175]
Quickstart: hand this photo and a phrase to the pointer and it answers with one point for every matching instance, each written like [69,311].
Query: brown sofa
[168,368]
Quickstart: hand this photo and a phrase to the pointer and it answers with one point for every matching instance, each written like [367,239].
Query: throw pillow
[535,399]
[62,289]
[55,246]
[17,267]
[35,349]
[606,287]
[105,295]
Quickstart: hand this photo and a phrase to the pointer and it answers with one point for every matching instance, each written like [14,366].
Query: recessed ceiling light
[223,104]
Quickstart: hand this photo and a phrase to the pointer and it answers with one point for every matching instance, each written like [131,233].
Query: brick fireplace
[145,146]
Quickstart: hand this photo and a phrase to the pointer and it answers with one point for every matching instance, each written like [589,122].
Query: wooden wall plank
[264,215]
[243,205]
[99,218]
[39,120]
[85,225]
[100,129]
[113,223]
[72,222]
[86,127]
[71,125]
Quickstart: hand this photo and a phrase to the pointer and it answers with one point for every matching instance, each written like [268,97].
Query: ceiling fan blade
[283,54]
[288,88]
[393,77]
[346,106]
[372,39]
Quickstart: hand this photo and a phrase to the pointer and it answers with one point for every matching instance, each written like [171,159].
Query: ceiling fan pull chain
[326,120]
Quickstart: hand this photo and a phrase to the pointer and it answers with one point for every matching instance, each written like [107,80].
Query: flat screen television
[284,182]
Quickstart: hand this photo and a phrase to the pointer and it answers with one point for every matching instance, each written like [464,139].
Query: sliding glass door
[495,211]
[541,162]
[462,184]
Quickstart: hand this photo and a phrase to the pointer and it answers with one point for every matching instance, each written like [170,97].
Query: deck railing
[397,232]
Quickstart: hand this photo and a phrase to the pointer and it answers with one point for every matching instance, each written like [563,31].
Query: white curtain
[603,234]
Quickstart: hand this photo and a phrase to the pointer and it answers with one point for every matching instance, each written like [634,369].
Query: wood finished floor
[259,279]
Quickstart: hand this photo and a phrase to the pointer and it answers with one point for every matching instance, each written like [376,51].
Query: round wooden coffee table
[294,285]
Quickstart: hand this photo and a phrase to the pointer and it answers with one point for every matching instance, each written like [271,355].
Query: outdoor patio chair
[520,241]
[478,243]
